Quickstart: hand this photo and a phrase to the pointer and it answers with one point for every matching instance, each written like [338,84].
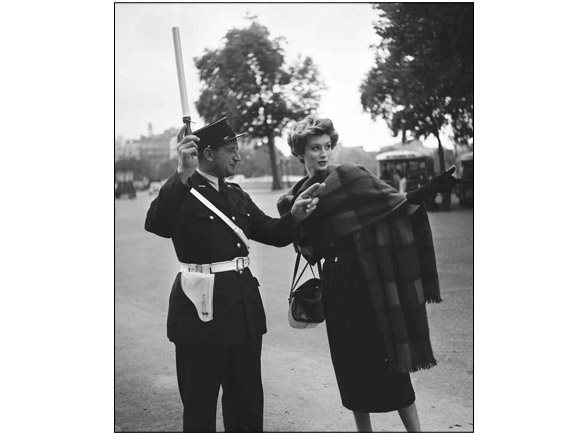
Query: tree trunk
[441,154]
[272,153]
[445,197]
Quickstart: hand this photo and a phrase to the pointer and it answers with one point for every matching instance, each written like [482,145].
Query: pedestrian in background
[227,349]
[379,271]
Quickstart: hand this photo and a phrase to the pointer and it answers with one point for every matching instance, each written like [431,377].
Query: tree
[423,78]
[255,160]
[247,81]
[164,169]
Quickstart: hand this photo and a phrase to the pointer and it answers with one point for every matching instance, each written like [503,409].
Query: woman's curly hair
[310,126]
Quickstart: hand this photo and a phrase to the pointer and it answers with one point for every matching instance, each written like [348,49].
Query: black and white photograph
[293,246]
[294,217]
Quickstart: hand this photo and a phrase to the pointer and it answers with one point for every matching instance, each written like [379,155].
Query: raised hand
[444,182]
[187,154]
[440,184]
[306,202]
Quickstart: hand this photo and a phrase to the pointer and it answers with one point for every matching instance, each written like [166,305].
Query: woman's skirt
[365,381]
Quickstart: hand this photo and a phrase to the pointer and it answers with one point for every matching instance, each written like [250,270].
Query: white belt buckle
[239,264]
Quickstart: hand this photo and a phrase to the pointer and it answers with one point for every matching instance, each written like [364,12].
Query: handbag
[306,308]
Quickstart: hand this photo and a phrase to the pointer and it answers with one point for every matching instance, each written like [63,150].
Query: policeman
[227,349]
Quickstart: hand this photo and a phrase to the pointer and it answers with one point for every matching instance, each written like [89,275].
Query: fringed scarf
[395,252]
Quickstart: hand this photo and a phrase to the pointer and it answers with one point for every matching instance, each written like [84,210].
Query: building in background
[155,149]
[149,156]
[126,149]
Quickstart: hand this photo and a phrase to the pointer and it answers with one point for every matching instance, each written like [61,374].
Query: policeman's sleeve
[268,230]
[165,208]
[284,205]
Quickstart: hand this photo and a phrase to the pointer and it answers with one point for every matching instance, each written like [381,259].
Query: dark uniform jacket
[201,237]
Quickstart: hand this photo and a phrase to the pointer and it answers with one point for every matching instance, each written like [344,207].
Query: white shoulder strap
[238,231]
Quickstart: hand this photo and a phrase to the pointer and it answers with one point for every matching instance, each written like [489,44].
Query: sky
[338,37]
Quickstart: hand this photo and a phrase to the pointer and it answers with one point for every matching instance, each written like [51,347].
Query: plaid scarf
[395,252]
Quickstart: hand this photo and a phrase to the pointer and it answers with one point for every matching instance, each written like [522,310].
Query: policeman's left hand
[306,202]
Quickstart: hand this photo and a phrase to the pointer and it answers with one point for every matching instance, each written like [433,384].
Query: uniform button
[238,245]
[211,217]
[248,215]
[240,272]
[233,217]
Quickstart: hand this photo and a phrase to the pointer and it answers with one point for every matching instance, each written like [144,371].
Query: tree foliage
[255,161]
[248,81]
[423,78]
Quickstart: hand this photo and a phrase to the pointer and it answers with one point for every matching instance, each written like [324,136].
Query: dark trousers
[203,368]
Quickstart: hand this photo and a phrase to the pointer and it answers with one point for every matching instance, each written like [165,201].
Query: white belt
[236,264]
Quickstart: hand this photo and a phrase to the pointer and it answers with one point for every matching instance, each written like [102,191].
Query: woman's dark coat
[391,248]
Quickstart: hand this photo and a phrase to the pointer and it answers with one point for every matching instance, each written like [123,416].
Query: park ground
[301,393]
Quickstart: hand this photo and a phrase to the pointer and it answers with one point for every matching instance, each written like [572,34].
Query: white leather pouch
[198,287]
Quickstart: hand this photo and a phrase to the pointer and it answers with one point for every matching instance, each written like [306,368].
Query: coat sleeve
[268,230]
[164,208]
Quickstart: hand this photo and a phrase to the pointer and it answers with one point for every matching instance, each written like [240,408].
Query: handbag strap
[294,280]
[238,231]
[295,272]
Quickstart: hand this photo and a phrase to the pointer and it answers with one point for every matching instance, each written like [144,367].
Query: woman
[379,270]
